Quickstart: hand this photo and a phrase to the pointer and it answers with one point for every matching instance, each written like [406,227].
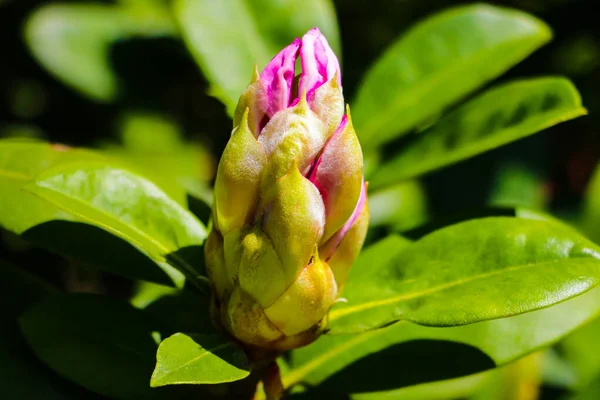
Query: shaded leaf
[227,38]
[472,271]
[199,359]
[499,116]
[436,63]
[100,343]
[72,41]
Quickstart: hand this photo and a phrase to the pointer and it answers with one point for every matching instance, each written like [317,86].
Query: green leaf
[56,230]
[72,41]
[227,38]
[591,212]
[23,376]
[438,62]
[402,206]
[150,139]
[469,272]
[368,362]
[182,312]
[499,116]
[128,206]
[199,359]
[581,351]
[100,343]
[20,290]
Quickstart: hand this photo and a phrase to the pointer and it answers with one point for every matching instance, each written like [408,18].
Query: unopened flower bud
[290,205]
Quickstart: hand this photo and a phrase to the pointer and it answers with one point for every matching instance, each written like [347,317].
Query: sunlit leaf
[199,359]
[469,272]
[436,63]
[499,116]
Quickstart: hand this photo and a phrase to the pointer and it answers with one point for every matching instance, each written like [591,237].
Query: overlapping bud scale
[290,211]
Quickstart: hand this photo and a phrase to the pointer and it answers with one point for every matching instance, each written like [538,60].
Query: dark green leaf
[182,312]
[20,289]
[228,37]
[199,359]
[436,63]
[473,271]
[369,362]
[100,343]
[72,41]
[126,205]
[499,116]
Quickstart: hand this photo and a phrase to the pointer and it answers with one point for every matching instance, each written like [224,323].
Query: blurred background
[150,102]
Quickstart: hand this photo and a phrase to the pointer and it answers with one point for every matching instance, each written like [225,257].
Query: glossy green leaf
[227,38]
[499,116]
[72,41]
[472,271]
[128,206]
[97,342]
[369,362]
[54,229]
[438,62]
[199,359]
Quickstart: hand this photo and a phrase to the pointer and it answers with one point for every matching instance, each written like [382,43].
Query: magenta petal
[277,78]
[319,63]
[332,244]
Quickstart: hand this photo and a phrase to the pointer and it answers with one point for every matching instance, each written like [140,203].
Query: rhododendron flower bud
[290,210]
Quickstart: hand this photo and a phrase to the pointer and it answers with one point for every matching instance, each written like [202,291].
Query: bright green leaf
[199,359]
[228,37]
[97,342]
[357,363]
[499,116]
[469,272]
[54,229]
[73,41]
[128,206]
[438,62]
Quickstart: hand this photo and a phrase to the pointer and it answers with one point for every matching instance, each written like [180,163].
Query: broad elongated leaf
[127,205]
[199,359]
[436,63]
[368,362]
[52,228]
[501,115]
[469,272]
[72,41]
[100,343]
[228,37]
